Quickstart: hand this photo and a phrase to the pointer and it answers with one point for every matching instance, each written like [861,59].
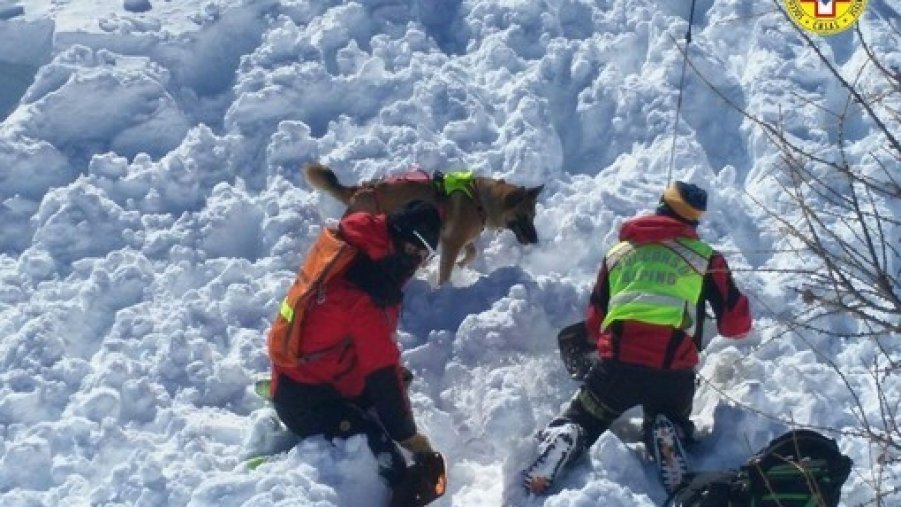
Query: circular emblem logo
[825,17]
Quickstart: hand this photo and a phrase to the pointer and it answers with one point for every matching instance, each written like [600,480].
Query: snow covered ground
[153,215]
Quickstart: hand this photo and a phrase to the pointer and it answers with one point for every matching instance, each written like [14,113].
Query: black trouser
[309,410]
[611,388]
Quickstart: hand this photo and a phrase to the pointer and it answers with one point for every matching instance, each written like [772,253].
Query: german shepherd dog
[494,204]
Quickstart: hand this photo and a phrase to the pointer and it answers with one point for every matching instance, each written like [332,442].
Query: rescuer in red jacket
[351,381]
[646,314]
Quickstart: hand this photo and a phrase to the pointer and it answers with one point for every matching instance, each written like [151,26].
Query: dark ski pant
[611,388]
[309,410]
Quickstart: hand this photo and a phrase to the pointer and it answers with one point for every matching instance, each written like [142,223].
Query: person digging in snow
[336,368]
[646,314]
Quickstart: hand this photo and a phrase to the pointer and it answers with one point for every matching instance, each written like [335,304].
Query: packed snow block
[25,463]
[136,5]
[31,167]
[24,47]
[14,80]
[80,221]
[87,101]
[11,11]
[25,42]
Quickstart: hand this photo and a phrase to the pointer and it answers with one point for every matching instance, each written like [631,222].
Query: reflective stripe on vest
[625,298]
[286,311]
[697,259]
[656,283]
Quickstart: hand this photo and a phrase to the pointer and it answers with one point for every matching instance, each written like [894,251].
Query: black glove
[433,471]
[576,350]
[424,481]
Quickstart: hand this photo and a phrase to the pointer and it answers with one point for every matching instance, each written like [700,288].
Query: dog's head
[519,213]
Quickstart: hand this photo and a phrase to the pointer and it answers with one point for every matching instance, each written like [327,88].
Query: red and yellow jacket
[666,347]
[352,338]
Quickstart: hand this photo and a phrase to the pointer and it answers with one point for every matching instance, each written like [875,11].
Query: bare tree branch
[835,209]
[857,96]
[892,77]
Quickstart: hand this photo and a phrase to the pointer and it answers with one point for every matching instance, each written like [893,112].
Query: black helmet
[415,222]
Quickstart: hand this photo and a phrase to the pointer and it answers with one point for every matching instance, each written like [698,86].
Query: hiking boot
[685,431]
[558,445]
[672,462]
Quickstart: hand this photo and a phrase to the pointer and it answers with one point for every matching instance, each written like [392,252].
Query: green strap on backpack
[800,468]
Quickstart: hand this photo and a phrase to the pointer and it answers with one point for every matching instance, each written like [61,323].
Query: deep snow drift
[153,215]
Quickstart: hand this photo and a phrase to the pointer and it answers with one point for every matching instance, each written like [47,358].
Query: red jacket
[357,335]
[663,346]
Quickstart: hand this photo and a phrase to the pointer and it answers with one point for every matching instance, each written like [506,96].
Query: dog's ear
[520,194]
[514,197]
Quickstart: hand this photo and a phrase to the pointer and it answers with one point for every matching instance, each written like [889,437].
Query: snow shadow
[443,22]
[719,134]
[24,47]
[737,434]
[15,78]
[427,309]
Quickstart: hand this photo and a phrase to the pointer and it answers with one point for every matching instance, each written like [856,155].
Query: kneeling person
[342,376]
[646,314]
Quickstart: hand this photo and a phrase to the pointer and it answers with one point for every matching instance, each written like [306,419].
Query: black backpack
[801,468]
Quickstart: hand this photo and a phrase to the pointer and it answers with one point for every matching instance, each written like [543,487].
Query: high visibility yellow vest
[656,283]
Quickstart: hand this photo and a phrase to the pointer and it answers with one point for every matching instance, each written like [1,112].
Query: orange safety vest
[328,257]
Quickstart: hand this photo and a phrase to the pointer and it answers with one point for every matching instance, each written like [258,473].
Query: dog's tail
[324,179]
